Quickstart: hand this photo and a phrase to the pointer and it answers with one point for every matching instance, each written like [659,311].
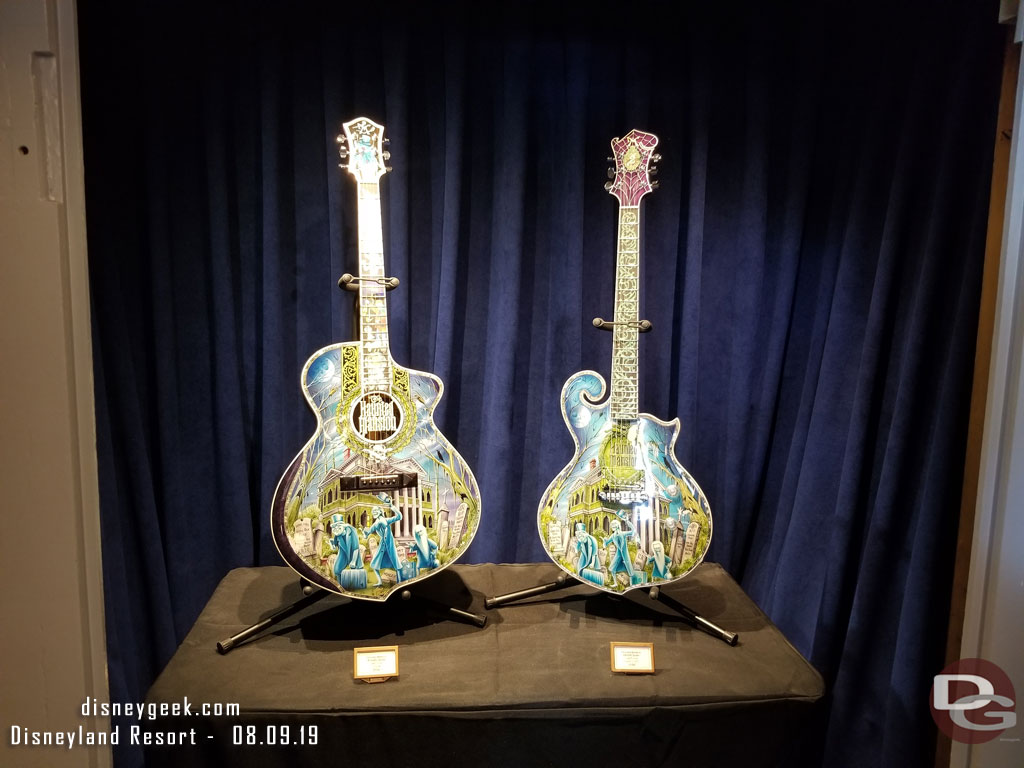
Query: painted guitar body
[663,517]
[340,473]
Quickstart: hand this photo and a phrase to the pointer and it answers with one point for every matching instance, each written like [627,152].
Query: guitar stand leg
[562,582]
[449,611]
[688,615]
[311,595]
[694,619]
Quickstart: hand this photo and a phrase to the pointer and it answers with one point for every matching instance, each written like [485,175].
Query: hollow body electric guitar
[378,498]
[624,513]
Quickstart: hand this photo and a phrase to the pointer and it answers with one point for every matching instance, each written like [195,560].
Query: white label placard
[635,658]
[378,663]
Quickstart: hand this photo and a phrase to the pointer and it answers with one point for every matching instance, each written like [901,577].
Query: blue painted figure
[658,561]
[588,564]
[586,546]
[620,563]
[425,549]
[364,151]
[345,540]
[387,552]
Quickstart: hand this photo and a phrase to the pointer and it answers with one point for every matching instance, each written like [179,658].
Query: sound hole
[376,416]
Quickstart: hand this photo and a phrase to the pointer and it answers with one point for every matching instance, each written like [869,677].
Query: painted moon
[580,416]
[326,371]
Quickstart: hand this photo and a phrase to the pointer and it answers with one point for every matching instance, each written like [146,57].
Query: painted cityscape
[623,513]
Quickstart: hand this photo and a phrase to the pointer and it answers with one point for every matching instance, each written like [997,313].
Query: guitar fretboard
[624,400]
[373,308]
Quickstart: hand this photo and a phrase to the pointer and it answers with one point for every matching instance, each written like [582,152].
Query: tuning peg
[386,155]
[652,171]
[386,142]
[388,168]
[611,173]
[655,158]
[654,184]
[340,138]
[608,185]
[610,159]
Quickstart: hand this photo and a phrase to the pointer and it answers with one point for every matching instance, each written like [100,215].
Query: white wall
[994,616]
[51,616]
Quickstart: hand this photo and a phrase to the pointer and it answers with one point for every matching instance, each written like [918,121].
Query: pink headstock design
[362,151]
[633,155]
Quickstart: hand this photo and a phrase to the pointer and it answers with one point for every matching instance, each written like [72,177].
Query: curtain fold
[811,265]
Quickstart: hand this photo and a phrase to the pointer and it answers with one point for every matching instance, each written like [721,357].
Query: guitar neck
[625,336]
[373,308]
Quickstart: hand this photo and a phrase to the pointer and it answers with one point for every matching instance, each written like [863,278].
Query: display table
[532,688]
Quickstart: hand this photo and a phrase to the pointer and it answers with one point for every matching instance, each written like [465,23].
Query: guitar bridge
[380,482]
[624,497]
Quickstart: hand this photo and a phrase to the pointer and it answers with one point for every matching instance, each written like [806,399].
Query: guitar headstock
[362,150]
[634,158]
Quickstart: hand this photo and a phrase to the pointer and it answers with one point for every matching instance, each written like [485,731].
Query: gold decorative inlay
[632,158]
[349,369]
[400,381]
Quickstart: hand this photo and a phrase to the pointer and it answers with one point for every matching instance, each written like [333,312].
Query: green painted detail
[349,392]
[349,369]
[618,458]
[400,383]
[409,415]
[350,366]
[456,471]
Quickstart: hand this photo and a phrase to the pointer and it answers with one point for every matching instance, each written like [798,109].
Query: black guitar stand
[350,282]
[312,594]
[688,615]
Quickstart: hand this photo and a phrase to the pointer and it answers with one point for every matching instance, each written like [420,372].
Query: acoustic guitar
[378,498]
[623,513]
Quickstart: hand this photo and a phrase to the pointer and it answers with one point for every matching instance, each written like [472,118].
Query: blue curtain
[811,265]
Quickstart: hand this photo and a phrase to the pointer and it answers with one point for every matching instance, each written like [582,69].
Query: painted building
[587,505]
[417,501]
